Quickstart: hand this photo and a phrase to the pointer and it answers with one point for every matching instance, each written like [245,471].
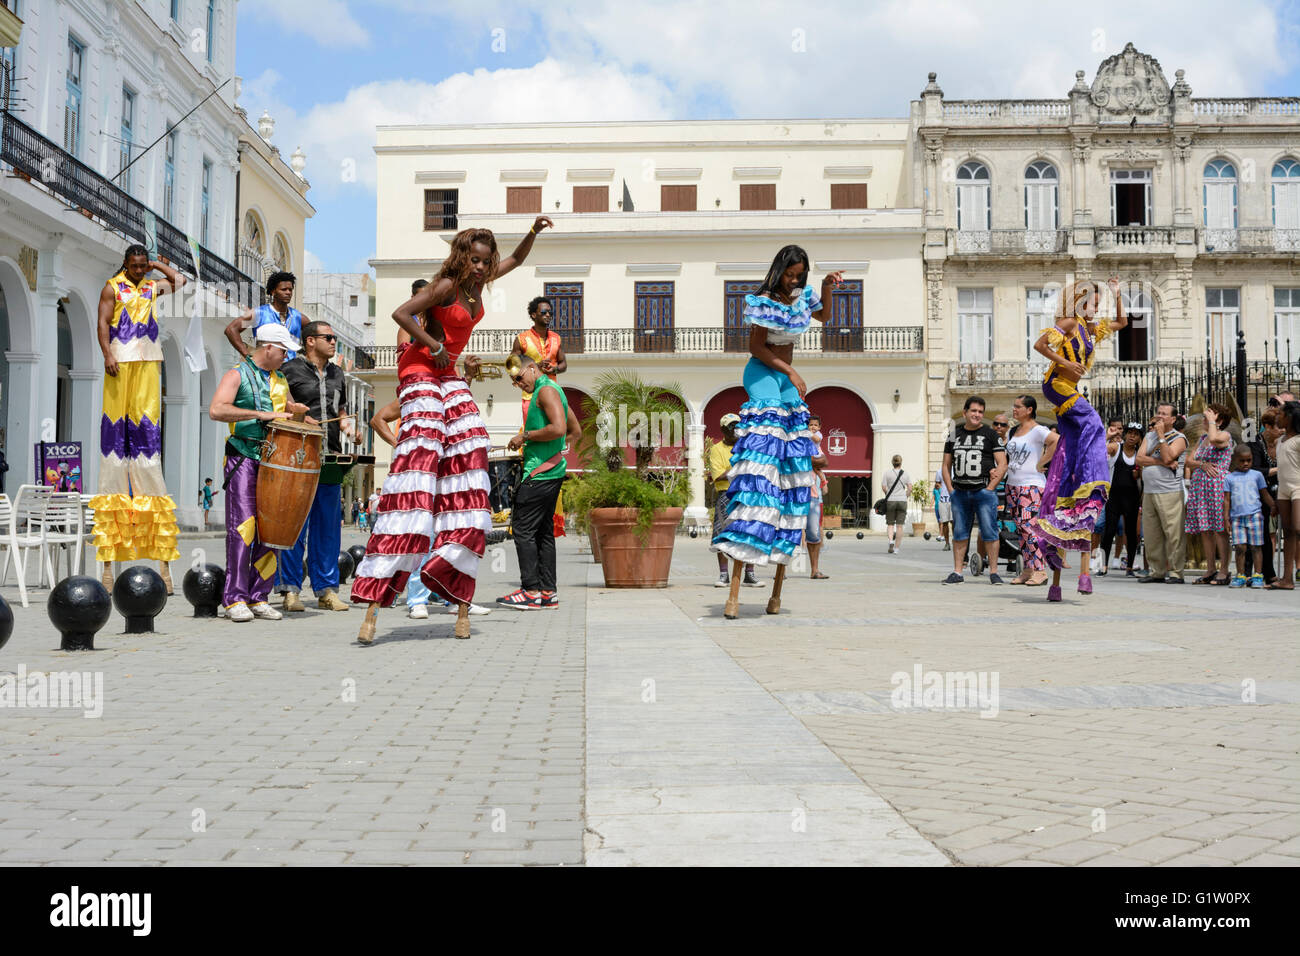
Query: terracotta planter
[595,543]
[832,521]
[918,528]
[626,559]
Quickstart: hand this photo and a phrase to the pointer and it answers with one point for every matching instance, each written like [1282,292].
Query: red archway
[846,430]
[578,401]
[727,400]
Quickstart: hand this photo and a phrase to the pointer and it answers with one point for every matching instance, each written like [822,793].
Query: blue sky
[330,70]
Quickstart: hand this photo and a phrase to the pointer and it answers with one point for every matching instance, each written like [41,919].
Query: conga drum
[286,480]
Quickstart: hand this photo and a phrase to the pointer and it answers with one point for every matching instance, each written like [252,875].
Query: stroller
[1008,539]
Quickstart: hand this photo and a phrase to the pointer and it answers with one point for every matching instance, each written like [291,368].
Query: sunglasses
[1001,424]
[327,338]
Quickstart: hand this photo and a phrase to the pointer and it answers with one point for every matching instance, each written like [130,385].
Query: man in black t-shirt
[315,381]
[974,461]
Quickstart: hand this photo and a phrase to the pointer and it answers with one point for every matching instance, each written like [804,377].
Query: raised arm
[516,258]
[234,332]
[828,286]
[1121,319]
[389,413]
[1043,348]
[174,280]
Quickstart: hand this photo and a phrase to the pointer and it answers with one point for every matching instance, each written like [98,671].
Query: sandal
[1223,581]
[1279,587]
[819,576]
[1208,579]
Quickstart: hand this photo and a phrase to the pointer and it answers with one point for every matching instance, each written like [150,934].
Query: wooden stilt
[732,610]
[774,602]
[462,621]
[367,633]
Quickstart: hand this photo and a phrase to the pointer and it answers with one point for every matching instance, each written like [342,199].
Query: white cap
[276,334]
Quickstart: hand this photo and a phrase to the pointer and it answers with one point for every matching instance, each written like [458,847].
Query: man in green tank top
[548,421]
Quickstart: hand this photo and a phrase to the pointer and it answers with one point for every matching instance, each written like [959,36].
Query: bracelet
[441,348]
[533,231]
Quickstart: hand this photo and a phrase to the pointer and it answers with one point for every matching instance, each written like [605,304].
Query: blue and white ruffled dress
[771,464]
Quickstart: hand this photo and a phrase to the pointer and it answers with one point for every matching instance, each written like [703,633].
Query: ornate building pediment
[1131,156]
[1130,82]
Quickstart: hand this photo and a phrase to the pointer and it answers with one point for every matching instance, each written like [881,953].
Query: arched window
[280,255]
[1286,205]
[253,239]
[973,206]
[1219,205]
[1042,199]
[1136,341]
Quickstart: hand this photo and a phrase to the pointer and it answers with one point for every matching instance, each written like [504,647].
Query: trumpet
[511,365]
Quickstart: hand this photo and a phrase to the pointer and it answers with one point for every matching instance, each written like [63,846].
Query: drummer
[317,382]
[248,396]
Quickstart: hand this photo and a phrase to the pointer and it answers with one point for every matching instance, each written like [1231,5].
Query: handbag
[879,507]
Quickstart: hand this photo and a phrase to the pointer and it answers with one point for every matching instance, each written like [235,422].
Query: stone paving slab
[691,762]
[1143,725]
[289,744]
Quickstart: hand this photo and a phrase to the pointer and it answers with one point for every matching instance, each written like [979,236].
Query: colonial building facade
[1193,203]
[660,231]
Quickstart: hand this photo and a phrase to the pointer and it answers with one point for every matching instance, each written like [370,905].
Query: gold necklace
[468,298]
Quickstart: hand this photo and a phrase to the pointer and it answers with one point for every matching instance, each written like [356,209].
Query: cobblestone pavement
[287,742]
[1142,725]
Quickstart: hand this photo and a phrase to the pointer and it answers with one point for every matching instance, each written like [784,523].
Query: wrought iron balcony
[1124,240]
[896,340]
[964,375]
[43,163]
[1009,242]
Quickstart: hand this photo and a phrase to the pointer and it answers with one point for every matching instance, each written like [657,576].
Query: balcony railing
[1005,109]
[901,340]
[1251,239]
[1135,239]
[42,162]
[1254,106]
[1024,374]
[1009,242]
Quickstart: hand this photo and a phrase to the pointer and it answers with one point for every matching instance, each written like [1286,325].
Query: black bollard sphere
[695,532]
[346,567]
[927,536]
[203,587]
[830,534]
[6,622]
[139,596]
[358,551]
[78,607]
[861,536]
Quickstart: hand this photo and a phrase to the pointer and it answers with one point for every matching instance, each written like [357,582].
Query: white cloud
[312,262]
[328,22]
[334,135]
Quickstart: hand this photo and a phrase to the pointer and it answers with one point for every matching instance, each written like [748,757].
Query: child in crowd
[1244,490]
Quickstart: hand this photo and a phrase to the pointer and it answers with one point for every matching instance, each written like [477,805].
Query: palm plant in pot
[918,500]
[631,514]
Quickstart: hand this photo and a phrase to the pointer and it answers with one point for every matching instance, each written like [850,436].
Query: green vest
[537,452]
[260,394]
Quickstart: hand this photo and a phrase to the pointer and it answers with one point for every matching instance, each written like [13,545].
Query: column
[23,418]
[50,288]
[696,512]
[87,409]
[181,464]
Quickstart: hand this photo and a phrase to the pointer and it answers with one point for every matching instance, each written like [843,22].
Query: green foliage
[832,509]
[920,492]
[618,399]
[623,489]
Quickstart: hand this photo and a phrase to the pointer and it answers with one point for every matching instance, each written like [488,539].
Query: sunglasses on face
[327,338]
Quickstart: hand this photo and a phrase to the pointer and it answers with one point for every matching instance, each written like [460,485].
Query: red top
[457,324]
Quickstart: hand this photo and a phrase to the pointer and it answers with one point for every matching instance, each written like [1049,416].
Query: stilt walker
[436,489]
[1078,480]
[771,465]
[135,517]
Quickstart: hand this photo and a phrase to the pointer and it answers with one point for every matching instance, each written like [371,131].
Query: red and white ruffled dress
[437,484]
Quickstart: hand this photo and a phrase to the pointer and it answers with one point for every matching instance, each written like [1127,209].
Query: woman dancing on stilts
[771,465]
[436,489]
[1078,481]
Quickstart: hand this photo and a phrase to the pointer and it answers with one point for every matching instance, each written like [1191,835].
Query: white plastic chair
[22,530]
[65,528]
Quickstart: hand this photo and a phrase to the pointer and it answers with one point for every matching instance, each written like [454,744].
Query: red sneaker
[550,600]
[521,601]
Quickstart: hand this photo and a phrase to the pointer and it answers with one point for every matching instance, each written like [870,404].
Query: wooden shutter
[973,208]
[1286,205]
[591,199]
[757,196]
[1039,211]
[440,208]
[523,200]
[1218,205]
[848,195]
[677,198]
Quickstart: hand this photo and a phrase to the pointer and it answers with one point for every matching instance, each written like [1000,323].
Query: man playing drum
[318,383]
[247,397]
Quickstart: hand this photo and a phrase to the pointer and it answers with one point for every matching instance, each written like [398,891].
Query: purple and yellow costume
[135,518]
[1078,481]
[250,564]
